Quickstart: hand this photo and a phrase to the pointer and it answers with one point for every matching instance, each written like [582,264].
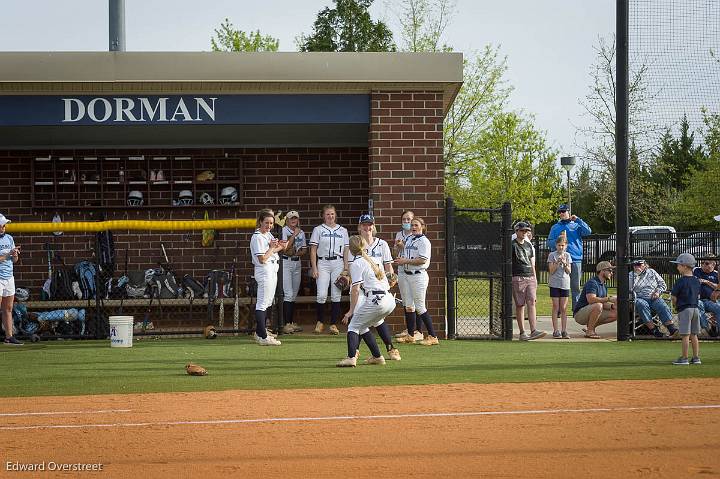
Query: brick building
[80,131]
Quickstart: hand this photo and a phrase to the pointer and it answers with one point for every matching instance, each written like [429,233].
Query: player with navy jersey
[328,258]
[378,251]
[296,248]
[9,254]
[369,280]
[400,238]
[264,249]
[413,265]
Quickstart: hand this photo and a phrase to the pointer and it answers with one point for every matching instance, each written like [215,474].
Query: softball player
[328,258]
[295,237]
[369,280]
[379,251]
[9,254]
[264,249]
[414,263]
[400,238]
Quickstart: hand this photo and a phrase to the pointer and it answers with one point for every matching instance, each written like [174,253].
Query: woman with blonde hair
[369,280]
[413,265]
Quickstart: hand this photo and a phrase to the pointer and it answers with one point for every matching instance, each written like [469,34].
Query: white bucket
[121,331]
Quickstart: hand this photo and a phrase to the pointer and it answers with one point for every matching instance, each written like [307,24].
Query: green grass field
[92,367]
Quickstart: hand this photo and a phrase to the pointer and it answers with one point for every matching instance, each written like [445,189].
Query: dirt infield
[581,429]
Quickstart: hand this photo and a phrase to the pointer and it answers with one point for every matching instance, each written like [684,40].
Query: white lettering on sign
[139,109]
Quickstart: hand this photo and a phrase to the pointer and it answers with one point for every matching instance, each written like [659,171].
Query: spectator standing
[559,265]
[524,282]
[685,294]
[575,229]
[647,286]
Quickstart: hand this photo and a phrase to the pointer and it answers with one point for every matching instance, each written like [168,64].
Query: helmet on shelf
[228,195]
[206,199]
[22,294]
[135,198]
[185,197]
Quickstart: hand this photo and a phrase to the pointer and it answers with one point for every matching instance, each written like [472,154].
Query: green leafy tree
[512,163]
[676,158]
[422,24]
[583,188]
[347,28]
[228,39]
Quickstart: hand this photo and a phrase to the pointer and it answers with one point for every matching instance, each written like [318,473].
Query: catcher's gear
[206,175]
[195,370]
[210,332]
[392,278]
[343,281]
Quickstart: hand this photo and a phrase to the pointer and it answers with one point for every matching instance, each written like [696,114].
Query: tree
[423,22]
[347,28]
[676,157]
[512,163]
[231,40]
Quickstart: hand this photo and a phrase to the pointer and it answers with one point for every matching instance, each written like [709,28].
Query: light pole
[568,162]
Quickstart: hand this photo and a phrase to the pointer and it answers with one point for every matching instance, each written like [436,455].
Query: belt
[328,258]
[271,261]
[413,272]
[376,292]
[291,258]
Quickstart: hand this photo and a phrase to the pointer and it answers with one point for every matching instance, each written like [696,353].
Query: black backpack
[61,284]
[106,251]
[193,289]
[212,283]
[167,286]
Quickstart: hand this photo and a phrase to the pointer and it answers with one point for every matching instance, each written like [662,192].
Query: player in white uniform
[295,237]
[9,254]
[411,319]
[368,279]
[379,251]
[413,265]
[328,258]
[264,249]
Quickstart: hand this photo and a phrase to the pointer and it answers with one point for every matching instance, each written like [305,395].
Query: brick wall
[282,178]
[407,172]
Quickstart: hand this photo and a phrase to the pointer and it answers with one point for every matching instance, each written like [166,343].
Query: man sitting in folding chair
[646,287]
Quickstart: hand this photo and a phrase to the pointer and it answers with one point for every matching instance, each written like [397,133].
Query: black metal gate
[479,282]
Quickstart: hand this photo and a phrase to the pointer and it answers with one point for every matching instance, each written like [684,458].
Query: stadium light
[568,162]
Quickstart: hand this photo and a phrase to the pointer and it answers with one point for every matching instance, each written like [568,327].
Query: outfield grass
[92,367]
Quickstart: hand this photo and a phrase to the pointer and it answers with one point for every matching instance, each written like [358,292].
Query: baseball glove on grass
[392,279]
[210,332]
[343,281]
[195,370]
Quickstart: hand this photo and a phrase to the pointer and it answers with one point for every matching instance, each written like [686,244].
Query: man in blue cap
[574,229]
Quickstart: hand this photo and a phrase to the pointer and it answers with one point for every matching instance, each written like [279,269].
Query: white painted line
[351,418]
[63,413]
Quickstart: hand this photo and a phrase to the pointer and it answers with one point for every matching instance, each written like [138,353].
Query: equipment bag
[136,285]
[167,286]
[86,273]
[106,251]
[61,284]
[212,283]
[193,289]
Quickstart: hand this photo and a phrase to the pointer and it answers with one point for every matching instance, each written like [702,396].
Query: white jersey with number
[416,246]
[329,241]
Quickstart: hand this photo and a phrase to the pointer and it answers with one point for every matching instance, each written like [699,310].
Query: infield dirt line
[362,417]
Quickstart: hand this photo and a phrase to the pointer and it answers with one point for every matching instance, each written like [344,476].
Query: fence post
[450,272]
[507,306]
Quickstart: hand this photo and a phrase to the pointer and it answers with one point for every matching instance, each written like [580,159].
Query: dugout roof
[228,99]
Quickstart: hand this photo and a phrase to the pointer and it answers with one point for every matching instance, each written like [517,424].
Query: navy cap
[366,219]
[563,207]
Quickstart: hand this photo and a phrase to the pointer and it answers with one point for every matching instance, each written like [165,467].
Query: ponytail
[357,247]
[379,274]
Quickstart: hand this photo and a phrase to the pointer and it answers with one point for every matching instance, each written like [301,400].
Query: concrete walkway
[608,332]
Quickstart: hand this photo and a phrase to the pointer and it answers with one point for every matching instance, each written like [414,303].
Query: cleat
[347,363]
[407,339]
[269,341]
[403,334]
[418,336]
[695,360]
[12,341]
[270,333]
[372,360]
[288,329]
[394,354]
[319,326]
[430,341]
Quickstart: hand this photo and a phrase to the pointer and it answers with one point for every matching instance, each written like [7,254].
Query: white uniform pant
[266,277]
[413,288]
[372,311]
[291,279]
[328,272]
